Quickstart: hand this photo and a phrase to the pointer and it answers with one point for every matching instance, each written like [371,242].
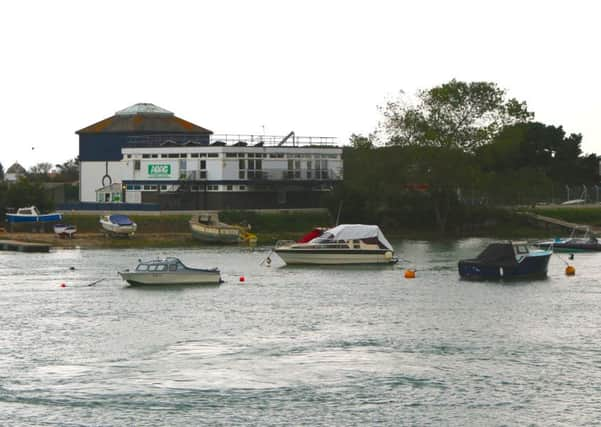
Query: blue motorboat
[32,214]
[506,260]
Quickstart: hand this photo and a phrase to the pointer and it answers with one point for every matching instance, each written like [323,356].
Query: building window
[163,188]
[213,154]
[293,169]
[203,164]
[183,156]
[194,155]
[129,156]
[136,165]
[231,154]
[173,155]
[146,156]
[243,188]
[154,156]
[230,187]
[163,156]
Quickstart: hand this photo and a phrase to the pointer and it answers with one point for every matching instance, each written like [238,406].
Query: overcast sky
[315,67]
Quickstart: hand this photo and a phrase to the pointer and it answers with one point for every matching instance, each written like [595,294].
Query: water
[296,346]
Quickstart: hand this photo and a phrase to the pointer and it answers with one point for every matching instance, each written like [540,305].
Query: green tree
[40,171]
[455,114]
[68,171]
[1,172]
[542,147]
[361,142]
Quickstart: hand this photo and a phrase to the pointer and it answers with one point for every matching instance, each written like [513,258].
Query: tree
[68,171]
[542,147]
[1,172]
[41,169]
[361,142]
[455,114]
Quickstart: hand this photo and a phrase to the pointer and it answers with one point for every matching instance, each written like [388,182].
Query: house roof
[16,168]
[144,118]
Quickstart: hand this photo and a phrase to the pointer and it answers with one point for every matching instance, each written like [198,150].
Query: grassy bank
[579,214]
[173,231]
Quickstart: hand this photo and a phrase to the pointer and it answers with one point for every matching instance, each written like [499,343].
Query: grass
[589,215]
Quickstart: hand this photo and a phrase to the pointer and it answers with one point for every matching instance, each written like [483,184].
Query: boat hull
[119,230]
[532,266]
[215,234]
[180,278]
[335,257]
[17,219]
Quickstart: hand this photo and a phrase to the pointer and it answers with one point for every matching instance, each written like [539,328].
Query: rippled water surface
[297,346]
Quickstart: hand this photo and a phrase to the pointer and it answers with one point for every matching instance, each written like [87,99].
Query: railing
[274,140]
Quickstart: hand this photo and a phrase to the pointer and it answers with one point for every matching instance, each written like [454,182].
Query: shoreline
[97,240]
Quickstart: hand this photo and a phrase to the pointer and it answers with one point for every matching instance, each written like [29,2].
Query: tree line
[29,189]
[448,154]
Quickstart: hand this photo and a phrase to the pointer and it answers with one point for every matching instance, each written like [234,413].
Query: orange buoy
[410,273]
[242,279]
[570,270]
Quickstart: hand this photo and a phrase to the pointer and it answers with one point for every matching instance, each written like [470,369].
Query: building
[154,157]
[13,173]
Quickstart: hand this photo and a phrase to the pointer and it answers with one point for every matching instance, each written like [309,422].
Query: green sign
[159,171]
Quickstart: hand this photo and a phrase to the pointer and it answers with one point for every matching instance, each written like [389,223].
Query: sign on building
[159,171]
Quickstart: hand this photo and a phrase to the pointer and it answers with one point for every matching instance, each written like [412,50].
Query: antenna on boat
[339,210]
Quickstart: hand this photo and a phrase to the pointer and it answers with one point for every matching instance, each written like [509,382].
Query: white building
[193,169]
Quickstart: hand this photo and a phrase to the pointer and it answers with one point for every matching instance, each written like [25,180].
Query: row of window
[210,187]
[234,155]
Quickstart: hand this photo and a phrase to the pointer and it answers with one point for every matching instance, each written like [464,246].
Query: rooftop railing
[289,140]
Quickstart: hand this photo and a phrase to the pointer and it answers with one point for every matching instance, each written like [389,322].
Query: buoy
[63,285]
[410,273]
[570,270]
[388,255]
[242,279]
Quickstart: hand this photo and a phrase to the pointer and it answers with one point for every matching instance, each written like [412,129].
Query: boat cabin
[31,210]
[164,265]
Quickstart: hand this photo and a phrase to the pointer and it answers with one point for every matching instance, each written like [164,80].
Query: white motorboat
[65,230]
[118,225]
[344,244]
[169,271]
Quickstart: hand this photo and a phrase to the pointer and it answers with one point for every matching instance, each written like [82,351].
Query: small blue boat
[506,260]
[32,214]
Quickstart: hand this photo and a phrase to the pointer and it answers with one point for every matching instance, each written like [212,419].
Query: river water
[297,346]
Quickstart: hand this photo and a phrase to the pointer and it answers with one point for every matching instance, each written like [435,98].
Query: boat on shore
[207,228]
[343,244]
[31,214]
[65,230]
[169,271]
[506,260]
[118,225]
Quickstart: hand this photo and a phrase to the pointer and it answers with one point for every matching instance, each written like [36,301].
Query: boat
[506,260]
[32,214]
[343,244]
[586,243]
[65,230]
[118,225]
[169,271]
[207,228]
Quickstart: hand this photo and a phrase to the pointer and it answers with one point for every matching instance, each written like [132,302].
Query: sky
[318,68]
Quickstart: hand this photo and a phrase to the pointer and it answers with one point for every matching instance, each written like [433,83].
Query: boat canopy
[353,232]
[120,220]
